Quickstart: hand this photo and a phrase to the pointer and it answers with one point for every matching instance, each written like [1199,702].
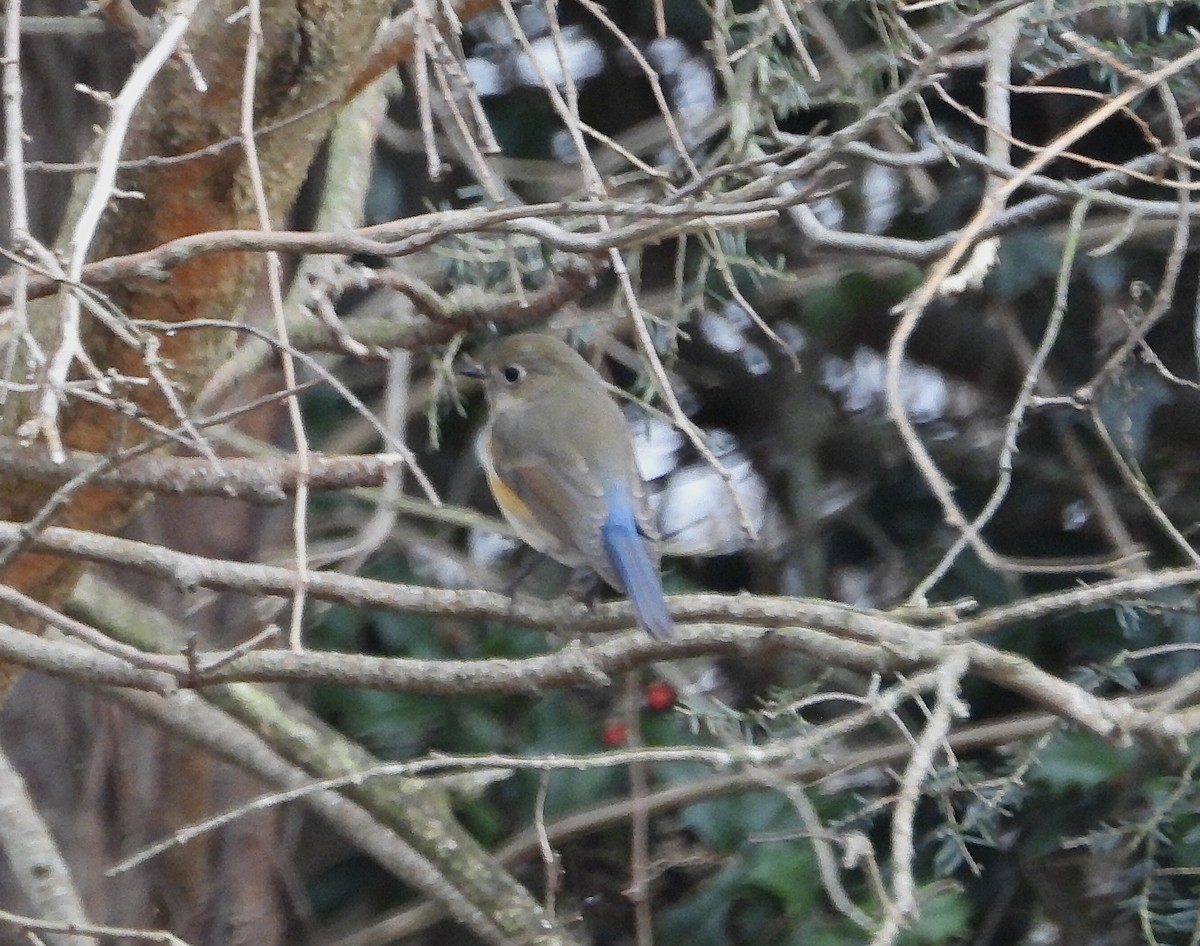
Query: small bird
[561,467]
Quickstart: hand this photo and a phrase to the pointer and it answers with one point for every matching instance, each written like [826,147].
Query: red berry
[615,733]
[659,697]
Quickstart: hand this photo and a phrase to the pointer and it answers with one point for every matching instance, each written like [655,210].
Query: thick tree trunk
[310,53]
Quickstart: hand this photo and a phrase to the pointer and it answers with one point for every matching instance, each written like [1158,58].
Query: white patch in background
[666,54]
[441,571]
[859,385]
[655,443]
[562,146]
[755,360]
[710,681]
[487,77]
[855,587]
[880,195]
[532,19]
[721,331]
[486,548]
[694,91]
[726,331]
[697,514]
[721,442]
[737,316]
[794,339]
[1075,515]
[583,55]
[829,212]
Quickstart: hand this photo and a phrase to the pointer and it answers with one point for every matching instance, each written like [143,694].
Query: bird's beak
[471,369]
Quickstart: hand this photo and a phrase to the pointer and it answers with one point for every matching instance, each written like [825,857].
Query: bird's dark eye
[513,373]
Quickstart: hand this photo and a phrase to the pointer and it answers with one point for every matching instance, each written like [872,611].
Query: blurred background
[1056,394]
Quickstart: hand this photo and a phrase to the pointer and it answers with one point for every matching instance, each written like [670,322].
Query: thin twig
[274,267]
[70,345]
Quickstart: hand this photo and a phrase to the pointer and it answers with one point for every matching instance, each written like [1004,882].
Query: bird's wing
[559,496]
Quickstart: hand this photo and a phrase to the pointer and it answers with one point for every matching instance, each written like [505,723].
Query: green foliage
[945,917]
[827,309]
[1080,761]
[767,894]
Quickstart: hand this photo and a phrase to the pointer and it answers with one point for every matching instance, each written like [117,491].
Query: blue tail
[626,548]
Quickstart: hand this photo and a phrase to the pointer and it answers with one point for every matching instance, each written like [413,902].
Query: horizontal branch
[579,665]
[1054,604]
[75,662]
[756,611]
[234,478]
[403,237]
[828,633]
[190,572]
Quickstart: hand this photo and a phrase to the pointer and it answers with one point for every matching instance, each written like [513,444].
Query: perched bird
[560,464]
